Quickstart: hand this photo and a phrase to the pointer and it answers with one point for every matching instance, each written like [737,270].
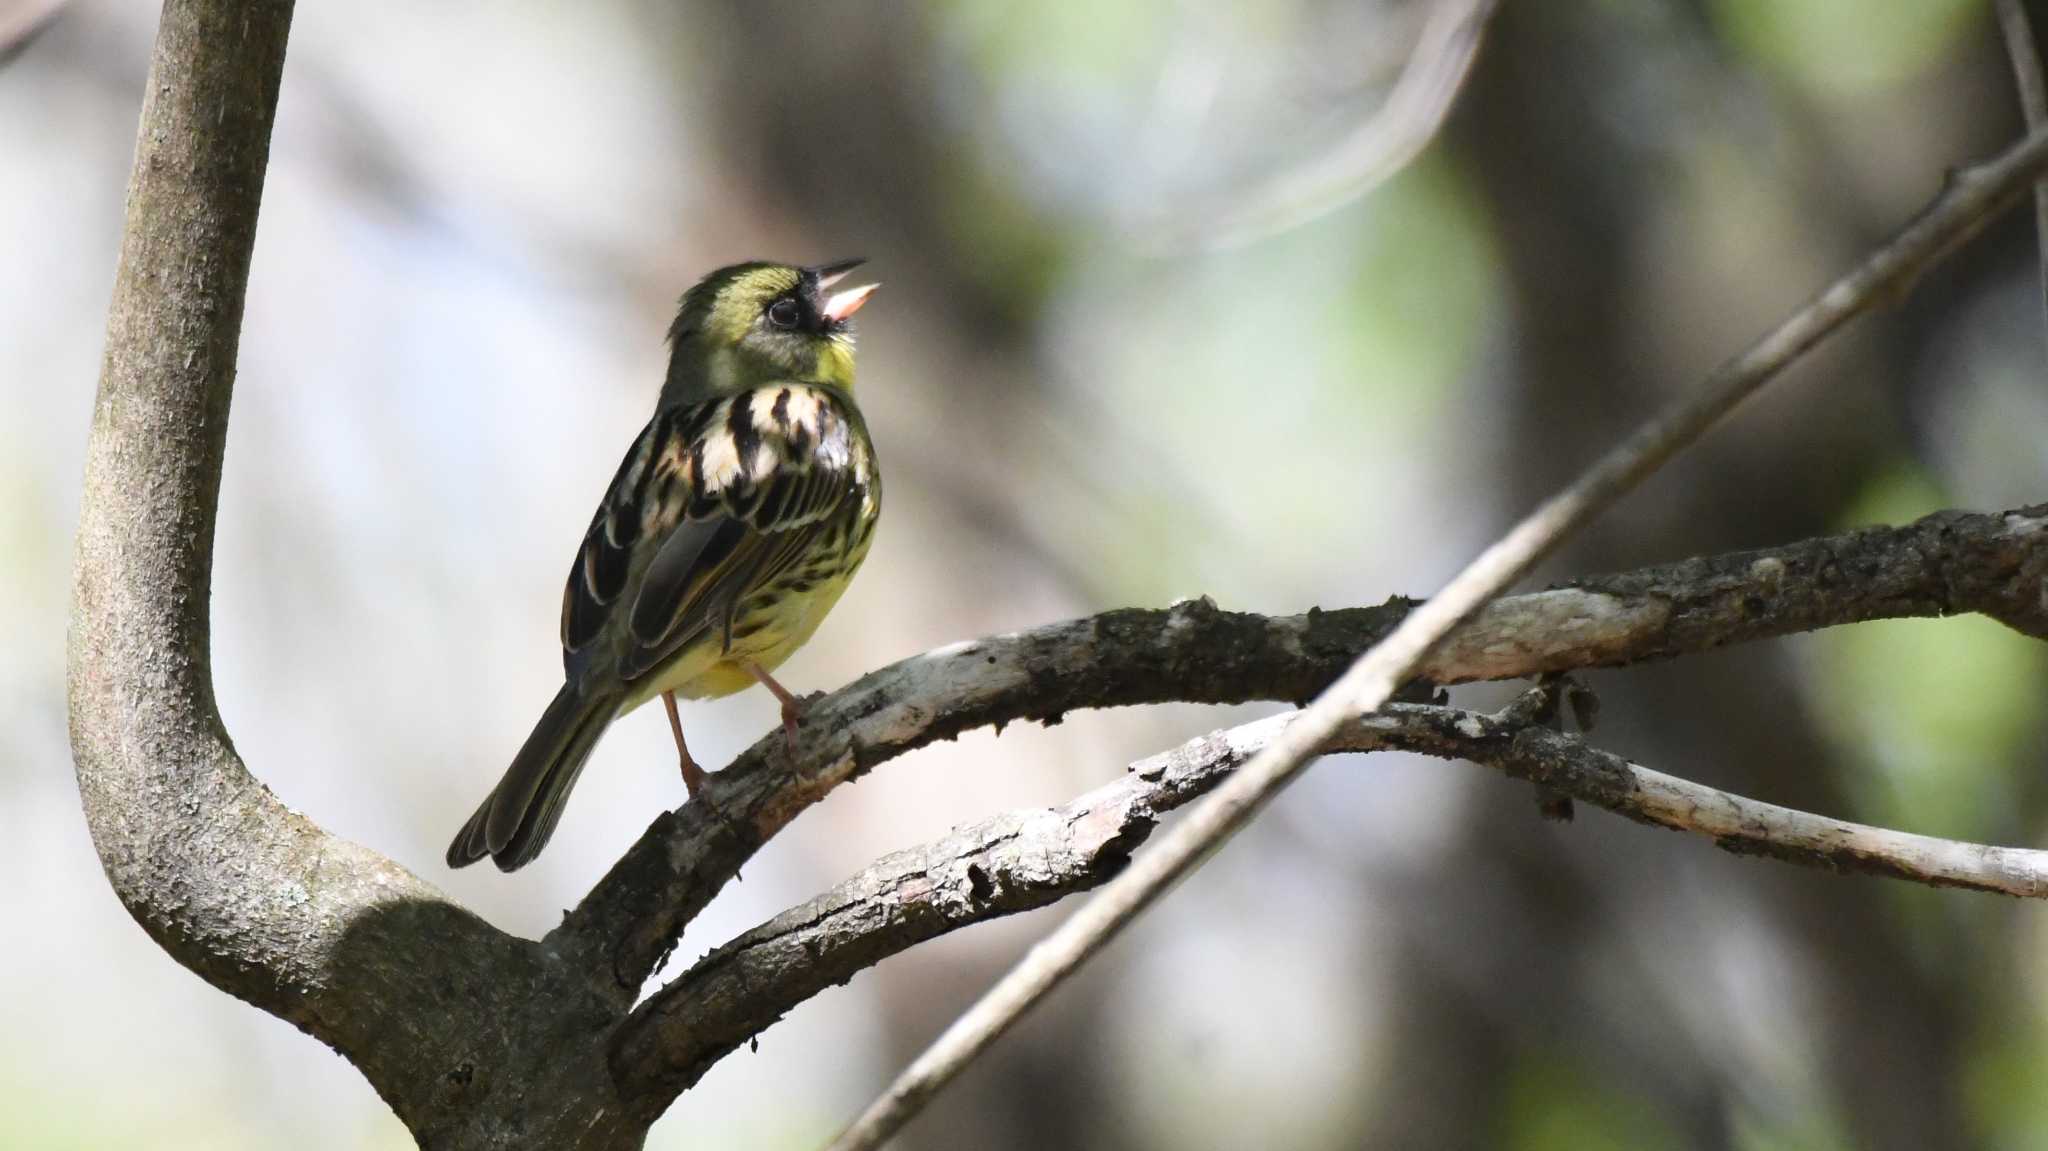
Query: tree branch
[1377,150]
[1029,859]
[1969,200]
[1945,564]
[2024,52]
[435,1007]
[143,720]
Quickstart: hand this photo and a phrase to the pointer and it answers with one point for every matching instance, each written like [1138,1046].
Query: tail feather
[516,819]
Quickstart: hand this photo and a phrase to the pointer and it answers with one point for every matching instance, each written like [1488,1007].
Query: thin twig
[1944,564]
[1023,860]
[1380,148]
[2033,92]
[1941,565]
[1962,208]
[21,23]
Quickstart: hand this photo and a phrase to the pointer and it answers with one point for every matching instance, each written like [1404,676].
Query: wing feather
[728,494]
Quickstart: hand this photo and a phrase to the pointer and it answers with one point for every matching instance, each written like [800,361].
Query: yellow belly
[763,638]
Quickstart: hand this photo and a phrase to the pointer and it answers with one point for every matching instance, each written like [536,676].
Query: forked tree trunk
[477,1040]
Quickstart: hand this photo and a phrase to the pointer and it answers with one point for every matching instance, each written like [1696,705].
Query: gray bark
[472,1036]
[1019,861]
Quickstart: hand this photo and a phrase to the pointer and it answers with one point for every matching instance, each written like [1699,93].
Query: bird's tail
[519,815]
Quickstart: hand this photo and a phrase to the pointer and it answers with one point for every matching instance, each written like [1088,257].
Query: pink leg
[693,776]
[792,707]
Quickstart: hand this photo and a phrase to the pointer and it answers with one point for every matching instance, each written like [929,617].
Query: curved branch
[2032,87]
[431,1003]
[1029,859]
[1944,564]
[143,720]
[1377,150]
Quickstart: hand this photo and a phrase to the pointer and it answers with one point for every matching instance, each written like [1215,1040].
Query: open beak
[844,304]
[830,274]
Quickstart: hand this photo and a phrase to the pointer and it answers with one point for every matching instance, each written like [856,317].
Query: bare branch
[1378,149]
[1029,859]
[2025,54]
[1945,564]
[21,23]
[1959,212]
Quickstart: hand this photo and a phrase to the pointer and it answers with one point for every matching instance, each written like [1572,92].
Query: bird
[734,523]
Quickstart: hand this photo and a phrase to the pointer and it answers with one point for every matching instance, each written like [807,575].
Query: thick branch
[1942,565]
[1029,859]
[433,1005]
[145,732]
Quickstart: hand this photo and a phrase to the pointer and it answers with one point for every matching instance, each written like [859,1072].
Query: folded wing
[736,490]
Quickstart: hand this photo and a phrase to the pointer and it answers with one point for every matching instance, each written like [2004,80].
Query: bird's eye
[783,313]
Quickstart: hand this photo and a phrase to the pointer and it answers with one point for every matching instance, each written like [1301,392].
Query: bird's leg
[792,707]
[693,776]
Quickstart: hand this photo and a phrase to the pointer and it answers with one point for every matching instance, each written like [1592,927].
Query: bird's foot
[693,777]
[717,810]
[792,710]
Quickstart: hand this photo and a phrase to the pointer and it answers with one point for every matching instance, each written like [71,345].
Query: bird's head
[754,324]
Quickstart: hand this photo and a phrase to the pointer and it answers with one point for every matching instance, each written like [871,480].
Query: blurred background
[477,221]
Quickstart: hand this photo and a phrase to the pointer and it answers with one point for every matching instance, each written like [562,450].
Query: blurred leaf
[1898,496]
[1061,41]
[2002,1088]
[1293,374]
[1814,1132]
[1420,293]
[1931,714]
[1845,47]
[1015,252]
[1555,1105]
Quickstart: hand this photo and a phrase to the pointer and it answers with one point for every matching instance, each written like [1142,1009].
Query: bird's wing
[727,493]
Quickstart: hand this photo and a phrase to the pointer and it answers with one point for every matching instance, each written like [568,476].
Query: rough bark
[1023,860]
[1941,565]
